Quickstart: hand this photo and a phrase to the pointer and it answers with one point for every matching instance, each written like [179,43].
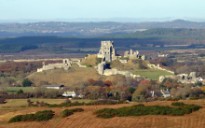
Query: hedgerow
[98,102]
[177,109]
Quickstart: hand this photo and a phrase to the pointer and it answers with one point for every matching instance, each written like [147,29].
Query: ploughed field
[87,118]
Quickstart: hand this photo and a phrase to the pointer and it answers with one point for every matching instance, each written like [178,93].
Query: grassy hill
[139,67]
[73,77]
[76,77]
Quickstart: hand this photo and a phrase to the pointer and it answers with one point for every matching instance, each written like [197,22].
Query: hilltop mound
[130,65]
[90,60]
[74,76]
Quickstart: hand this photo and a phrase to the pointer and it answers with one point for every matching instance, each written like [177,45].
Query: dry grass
[130,65]
[72,77]
[91,60]
[87,119]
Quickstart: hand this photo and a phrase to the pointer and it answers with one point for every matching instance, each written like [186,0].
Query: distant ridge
[88,29]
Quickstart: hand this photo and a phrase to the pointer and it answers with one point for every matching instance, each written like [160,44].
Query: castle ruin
[107,54]
[66,64]
[131,54]
[107,51]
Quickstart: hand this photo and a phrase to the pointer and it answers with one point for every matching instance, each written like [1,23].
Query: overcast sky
[102,9]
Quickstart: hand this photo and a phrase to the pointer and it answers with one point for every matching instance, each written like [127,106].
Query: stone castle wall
[152,66]
[66,64]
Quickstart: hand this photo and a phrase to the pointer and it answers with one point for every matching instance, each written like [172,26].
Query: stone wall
[153,66]
[109,72]
[66,64]
[131,54]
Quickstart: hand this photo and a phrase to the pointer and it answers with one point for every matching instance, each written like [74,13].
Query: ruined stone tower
[107,51]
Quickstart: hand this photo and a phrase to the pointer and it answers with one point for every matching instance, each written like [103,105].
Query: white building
[69,94]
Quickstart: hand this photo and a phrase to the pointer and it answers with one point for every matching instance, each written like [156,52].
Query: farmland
[88,119]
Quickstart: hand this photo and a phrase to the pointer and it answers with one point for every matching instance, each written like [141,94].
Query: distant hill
[150,39]
[88,29]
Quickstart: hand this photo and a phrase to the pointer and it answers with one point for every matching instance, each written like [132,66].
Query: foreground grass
[177,109]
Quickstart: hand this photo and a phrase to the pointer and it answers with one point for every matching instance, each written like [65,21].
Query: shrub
[105,102]
[77,110]
[44,115]
[27,83]
[20,91]
[66,104]
[106,113]
[68,112]
[139,110]
[17,118]
[99,102]
[38,116]
[179,104]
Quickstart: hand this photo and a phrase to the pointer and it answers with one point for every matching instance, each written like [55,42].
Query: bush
[77,110]
[20,91]
[105,102]
[27,83]
[66,104]
[139,110]
[44,115]
[179,104]
[68,112]
[99,102]
[106,113]
[38,116]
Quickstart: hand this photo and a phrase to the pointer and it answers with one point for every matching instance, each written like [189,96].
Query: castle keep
[107,51]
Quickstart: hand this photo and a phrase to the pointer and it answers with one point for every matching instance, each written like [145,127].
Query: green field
[152,74]
[16,89]
[18,104]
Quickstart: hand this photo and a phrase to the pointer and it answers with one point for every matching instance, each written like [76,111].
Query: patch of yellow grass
[91,60]
[73,77]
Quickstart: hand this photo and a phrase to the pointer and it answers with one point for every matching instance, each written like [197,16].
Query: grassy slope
[73,77]
[90,61]
[16,89]
[76,76]
[135,68]
[152,74]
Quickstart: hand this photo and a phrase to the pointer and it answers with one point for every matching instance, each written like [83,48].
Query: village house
[69,94]
[72,94]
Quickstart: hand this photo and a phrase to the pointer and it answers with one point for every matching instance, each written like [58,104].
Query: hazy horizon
[107,10]
[98,20]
